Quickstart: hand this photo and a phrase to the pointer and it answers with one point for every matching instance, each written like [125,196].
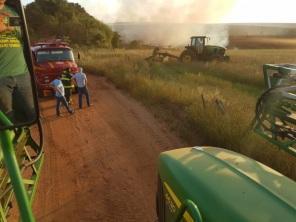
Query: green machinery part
[21,160]
[189,206]
[276,109]
[211,184]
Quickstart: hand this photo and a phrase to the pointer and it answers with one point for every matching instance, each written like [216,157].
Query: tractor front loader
[160,55]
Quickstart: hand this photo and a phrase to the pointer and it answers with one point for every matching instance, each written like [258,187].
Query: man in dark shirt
[68,84]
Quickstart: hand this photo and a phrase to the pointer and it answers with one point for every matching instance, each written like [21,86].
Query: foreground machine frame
[21,161]
[212,184]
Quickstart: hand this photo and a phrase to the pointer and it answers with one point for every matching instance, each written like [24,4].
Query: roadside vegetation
[205,103]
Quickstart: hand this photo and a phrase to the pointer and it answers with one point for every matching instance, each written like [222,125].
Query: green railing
[19,155]
[191,208]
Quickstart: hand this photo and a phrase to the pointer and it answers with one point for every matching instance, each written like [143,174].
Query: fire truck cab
[50,59]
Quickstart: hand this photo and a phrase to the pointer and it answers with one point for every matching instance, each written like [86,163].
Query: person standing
[58,87]
[81,82]
[68,85]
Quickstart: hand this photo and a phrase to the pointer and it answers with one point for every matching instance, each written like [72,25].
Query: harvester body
[199,51]
[50,59]
[211,184]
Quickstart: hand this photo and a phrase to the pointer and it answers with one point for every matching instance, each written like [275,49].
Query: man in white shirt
[81,82]
[59,89]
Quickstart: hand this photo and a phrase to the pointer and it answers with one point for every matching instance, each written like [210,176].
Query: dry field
[259,42]
[186,96]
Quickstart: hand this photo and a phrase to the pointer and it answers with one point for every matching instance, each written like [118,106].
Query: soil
[101,163]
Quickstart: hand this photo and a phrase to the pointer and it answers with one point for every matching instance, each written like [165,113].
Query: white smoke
[163,22]
[172,22]
[172,11]
[172,34]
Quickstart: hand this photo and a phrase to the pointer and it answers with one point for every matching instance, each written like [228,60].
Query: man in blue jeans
[59,89]
[81,82]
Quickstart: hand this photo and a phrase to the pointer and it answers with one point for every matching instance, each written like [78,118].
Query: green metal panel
[227,186]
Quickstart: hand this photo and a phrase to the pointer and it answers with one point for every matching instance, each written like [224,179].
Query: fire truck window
[16,94]
[54,55]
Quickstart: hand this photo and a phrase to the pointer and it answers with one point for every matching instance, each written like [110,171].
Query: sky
[200,11]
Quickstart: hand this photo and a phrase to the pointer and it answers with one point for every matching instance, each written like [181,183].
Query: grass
[245,66]
[206,103]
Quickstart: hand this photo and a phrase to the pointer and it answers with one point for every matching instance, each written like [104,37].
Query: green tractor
[212,184]
[199,51]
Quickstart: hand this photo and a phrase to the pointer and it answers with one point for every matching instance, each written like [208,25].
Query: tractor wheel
[186,57]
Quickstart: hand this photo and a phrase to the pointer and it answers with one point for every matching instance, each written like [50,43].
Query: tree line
[49,19]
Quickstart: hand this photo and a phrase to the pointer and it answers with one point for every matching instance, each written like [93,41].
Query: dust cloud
[173,34]
[172,22]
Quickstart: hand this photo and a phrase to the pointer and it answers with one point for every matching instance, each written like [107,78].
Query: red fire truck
[50,59]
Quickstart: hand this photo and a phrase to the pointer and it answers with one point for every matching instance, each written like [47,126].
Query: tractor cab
[198,43]
[199,51]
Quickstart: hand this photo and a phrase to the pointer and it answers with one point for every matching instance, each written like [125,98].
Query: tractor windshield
[197,42]
[54,55]
[193,42]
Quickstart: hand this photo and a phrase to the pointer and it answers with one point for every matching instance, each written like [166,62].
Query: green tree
[49,19]
[116,40]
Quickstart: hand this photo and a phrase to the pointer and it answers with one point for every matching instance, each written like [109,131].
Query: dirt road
[101,162]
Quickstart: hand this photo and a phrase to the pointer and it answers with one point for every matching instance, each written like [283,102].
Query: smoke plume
[171,34]
[172,11]
[171,22]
